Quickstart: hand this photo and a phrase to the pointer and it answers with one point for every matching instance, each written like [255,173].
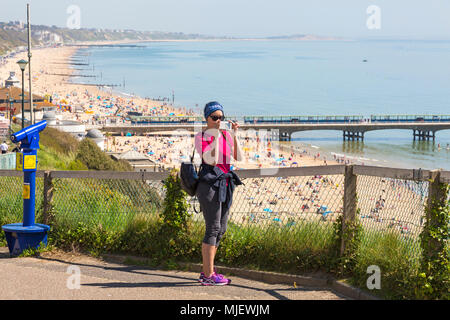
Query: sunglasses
[215,118]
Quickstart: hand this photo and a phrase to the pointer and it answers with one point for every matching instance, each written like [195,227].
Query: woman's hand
[234,126]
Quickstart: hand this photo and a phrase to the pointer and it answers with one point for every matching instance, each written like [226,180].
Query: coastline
[134,41]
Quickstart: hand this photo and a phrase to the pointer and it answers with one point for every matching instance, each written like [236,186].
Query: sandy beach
[384,203]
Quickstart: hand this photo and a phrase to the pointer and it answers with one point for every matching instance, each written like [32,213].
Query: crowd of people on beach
[292,198]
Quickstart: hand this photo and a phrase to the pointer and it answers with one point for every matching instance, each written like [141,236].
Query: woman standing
[216,185]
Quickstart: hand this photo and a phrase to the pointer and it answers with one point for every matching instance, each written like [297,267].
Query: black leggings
[216,217]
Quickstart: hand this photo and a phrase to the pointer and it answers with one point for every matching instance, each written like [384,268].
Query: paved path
[52,275]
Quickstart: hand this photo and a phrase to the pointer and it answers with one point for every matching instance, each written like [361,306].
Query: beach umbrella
[325,213]
[267,210]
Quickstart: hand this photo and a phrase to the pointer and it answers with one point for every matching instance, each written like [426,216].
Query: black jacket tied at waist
[214,176]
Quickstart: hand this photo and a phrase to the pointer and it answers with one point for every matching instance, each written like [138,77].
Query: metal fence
[297,204]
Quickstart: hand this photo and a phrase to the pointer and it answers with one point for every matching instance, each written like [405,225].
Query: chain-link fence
[392,207]
[108,200]
[11,198]
[297,204]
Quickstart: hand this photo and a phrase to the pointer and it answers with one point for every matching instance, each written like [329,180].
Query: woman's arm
[238,155]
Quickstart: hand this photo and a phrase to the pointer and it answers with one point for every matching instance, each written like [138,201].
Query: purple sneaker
[215,280]
[202,275]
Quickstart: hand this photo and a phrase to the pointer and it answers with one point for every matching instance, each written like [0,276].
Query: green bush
[173,227]
[76,165]
[94,158]
[345,263]
[434,277]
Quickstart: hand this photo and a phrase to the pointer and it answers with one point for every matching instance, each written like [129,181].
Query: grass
[397,257]
[49,159]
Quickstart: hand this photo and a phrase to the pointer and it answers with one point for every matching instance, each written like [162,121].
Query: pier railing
[300,206]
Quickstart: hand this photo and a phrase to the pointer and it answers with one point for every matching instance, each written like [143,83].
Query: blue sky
[246,18]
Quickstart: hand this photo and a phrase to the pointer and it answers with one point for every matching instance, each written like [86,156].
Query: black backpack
[189,176]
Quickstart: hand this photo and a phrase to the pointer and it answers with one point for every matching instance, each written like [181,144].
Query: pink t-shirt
[225,148]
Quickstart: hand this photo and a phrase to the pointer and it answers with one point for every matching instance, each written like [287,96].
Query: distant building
[137,160]
[15,94]
[98,137]
[48,37]
[75,128]
[12,81]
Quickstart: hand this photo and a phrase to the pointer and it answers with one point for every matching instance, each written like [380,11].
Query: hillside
[61,151]
[14,34]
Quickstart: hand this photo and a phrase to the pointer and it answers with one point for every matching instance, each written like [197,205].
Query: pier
[424,127]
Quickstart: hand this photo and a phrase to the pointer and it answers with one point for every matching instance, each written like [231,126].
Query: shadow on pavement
[185,281]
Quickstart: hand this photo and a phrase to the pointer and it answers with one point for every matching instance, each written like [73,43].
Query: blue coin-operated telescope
[21,236]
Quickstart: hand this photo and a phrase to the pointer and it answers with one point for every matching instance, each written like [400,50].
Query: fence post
[48,195]
[349,214]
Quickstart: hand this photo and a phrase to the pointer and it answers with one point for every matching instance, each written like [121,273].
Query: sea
[304,78]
